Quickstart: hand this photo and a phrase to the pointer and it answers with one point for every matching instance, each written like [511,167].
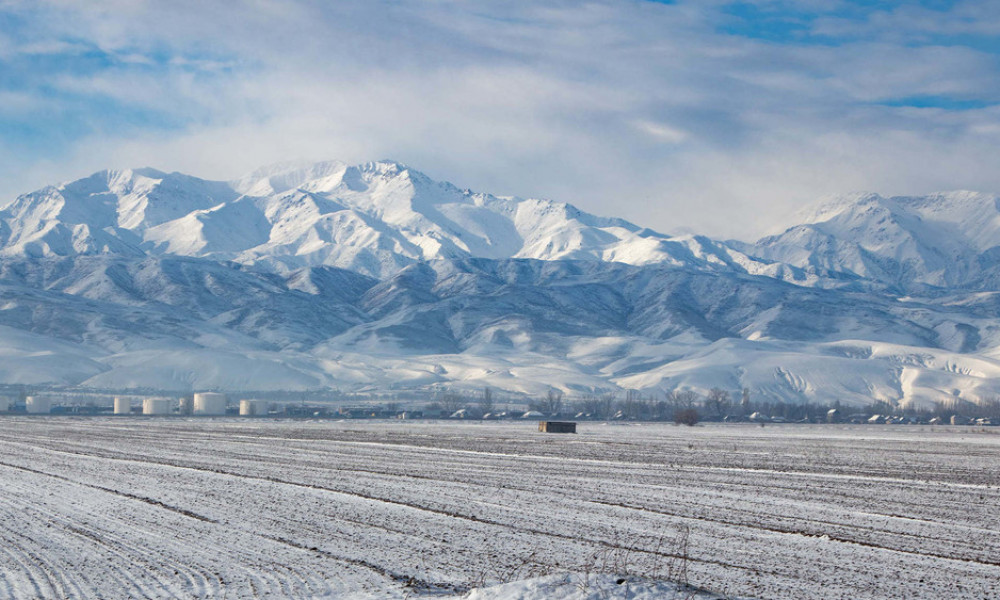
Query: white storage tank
[156,406]
[209,403]
[123,406]
[38,405]
[253,408]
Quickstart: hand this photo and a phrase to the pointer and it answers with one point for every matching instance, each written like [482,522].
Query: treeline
[689,407]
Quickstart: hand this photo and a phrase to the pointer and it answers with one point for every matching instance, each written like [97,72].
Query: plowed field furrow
[257,509]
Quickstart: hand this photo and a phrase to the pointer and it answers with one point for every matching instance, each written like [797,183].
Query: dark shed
[557,426]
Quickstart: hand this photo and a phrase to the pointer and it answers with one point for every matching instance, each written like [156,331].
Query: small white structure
[6,404]
[38,405]
[253,408]
[156,406]
[209,403]
[186,405]
[123,406]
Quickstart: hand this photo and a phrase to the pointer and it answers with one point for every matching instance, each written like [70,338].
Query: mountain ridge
[944,240]
[376,277]
[374,218]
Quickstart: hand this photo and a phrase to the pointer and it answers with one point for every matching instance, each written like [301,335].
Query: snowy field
[147,508]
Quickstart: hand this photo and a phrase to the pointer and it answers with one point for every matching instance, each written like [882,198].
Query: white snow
[119,507]
[583,586]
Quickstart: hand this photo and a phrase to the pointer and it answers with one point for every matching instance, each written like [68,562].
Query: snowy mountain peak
[285,176]
[374,218]
[946,239]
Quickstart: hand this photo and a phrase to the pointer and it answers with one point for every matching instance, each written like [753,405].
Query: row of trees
[688,406]
[633,406]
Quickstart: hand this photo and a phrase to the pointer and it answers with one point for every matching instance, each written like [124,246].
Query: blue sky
[667,113]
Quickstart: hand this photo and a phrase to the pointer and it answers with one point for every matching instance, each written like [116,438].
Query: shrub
[686,416]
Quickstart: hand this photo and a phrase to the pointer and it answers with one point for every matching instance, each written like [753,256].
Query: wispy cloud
[667,113]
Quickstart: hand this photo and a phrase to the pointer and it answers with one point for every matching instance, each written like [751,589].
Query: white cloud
[637,109]
[662,131]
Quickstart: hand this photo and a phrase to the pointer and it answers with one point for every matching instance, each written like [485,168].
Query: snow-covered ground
[584,586]
[130,508]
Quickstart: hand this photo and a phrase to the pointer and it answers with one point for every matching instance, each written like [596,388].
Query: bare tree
[679,400]
[599,407]
[717,402]
[550,405]
[486,401]
[634,406]
[451,402]
[683,398]
[990,408]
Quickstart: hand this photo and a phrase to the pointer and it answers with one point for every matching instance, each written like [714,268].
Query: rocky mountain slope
[376,277]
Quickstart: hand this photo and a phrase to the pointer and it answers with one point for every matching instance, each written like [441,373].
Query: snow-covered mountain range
[374,276]
[373,219]
[911,243]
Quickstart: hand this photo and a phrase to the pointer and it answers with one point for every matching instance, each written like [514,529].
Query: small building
[253,408]
[185,405]
[960,420]
[557,426]
[6,404]
[38,405]
[123,406]
[156,406]
[833,416]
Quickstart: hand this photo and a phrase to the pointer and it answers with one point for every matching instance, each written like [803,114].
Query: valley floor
[151,508]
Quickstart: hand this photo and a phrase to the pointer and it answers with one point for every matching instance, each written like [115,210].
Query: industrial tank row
[201,404]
